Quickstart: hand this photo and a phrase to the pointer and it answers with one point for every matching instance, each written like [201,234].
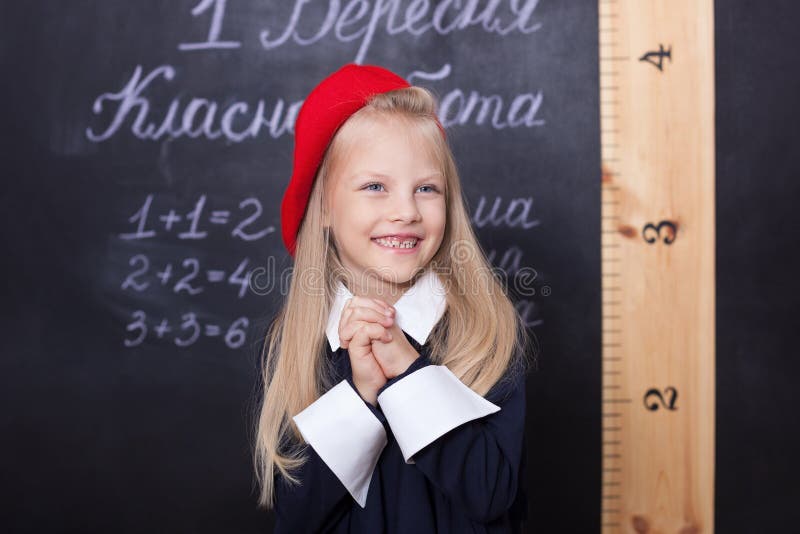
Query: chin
[393,274]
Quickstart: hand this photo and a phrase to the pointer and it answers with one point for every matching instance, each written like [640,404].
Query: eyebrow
[373,174]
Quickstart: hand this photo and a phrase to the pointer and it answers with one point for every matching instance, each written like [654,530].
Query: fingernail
[387,311]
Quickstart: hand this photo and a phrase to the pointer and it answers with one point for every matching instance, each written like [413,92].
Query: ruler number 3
[650,228]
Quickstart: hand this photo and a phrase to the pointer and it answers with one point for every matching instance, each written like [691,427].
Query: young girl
[394,373]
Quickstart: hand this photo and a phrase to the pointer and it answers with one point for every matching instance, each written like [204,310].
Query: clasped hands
[378,348]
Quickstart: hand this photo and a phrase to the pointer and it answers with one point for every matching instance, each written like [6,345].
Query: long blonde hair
[480,337]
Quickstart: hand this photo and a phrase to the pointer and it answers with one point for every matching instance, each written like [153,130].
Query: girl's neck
[387,292]
[380,289]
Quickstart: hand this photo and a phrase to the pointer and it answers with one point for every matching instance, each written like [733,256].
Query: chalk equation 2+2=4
[143,274]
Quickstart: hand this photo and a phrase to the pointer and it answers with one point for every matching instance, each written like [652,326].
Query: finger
[359,317]
[359,313]
[369,332]
[383,304]
[348,336]
[368,302]
[347,331]
[355,302]
[362,302]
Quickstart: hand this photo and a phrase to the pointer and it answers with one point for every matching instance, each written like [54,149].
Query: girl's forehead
[393,122]
[365,129]
[363,143]
[369,133]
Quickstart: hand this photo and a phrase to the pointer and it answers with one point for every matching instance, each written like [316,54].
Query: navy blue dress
[470,480]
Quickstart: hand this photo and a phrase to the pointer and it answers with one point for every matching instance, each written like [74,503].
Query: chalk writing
[360,19]
[517,214]
[236,121]
[214,30]
[186,332]
[190,275]
[247,228]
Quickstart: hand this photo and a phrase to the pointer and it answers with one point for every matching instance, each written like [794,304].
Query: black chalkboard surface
[146,148]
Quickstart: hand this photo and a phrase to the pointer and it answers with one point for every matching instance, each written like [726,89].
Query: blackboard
[147,146]
[152,145]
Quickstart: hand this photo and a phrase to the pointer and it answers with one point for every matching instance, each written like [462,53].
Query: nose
[404,208]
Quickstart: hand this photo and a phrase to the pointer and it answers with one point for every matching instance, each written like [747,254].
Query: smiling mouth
[394,242]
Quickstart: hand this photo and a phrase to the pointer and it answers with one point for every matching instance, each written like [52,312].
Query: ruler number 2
[654,400]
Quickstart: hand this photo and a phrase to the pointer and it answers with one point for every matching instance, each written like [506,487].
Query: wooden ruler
[657,137]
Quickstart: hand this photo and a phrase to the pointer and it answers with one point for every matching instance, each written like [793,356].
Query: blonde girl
[393,376]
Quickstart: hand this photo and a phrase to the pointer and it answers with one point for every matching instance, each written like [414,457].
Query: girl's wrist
[370,397]
[367,392]
[409,358]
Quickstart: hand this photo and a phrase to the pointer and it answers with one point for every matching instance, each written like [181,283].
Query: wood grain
[658,243]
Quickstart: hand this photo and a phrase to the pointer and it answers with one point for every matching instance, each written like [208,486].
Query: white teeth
[396,243]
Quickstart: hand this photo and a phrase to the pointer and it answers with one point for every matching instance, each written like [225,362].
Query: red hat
[325,109]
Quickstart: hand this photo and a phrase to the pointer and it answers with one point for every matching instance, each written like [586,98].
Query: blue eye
[433,188]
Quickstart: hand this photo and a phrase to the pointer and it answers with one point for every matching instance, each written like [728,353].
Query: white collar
[416,311]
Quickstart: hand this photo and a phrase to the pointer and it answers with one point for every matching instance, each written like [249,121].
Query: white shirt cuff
[346,435]
[428,403]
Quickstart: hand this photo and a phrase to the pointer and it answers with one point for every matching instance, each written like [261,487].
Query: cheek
[358,210]
[358,223]
[435,216]
[347,210]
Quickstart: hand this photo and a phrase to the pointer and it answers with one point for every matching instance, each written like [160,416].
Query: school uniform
[432,457]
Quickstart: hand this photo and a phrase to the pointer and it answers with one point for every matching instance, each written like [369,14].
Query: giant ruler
[658,297]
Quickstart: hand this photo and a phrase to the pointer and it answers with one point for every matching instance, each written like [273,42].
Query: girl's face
[386,185]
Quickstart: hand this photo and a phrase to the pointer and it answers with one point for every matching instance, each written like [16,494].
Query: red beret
[325,109]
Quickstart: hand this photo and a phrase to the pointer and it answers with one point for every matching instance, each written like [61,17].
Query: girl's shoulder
[512,383]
